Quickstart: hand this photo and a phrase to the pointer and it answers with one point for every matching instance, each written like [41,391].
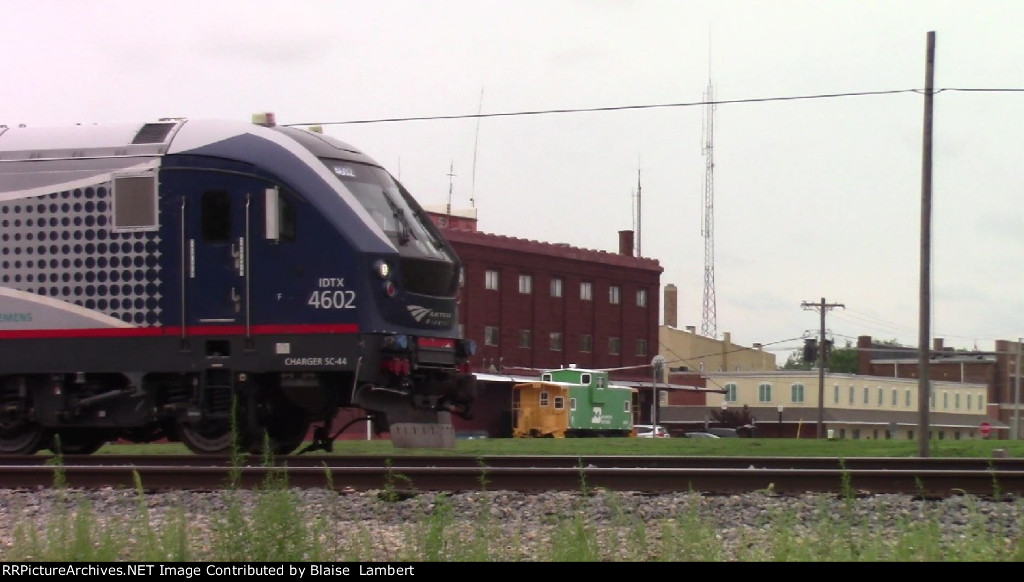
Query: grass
[275,524]
[760,447]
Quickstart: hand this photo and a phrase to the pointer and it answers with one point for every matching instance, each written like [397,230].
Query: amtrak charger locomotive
[223,284]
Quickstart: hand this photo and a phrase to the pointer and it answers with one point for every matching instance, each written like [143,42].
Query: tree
[795,361]
[842,360]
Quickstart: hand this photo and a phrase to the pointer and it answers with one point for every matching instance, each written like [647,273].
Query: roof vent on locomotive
[206,280]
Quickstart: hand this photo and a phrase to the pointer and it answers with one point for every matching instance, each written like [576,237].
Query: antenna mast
[476,140]
[639,217]
[451,174]
[709,323]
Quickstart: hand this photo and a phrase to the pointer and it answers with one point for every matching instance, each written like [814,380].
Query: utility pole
[924,310]
[1016,394]
[822,308]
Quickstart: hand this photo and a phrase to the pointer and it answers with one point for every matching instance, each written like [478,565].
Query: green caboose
[572,402]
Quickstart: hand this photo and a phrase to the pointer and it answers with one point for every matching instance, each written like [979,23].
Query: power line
[659,106]
[611,108]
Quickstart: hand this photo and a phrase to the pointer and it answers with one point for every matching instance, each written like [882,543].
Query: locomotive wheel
[210,438]
[22,437]
[284,434]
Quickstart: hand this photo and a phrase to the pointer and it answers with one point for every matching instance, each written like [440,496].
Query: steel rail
[930,483]
[565,461]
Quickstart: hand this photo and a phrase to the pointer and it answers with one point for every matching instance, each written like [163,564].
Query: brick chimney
[626,243]
[670,305]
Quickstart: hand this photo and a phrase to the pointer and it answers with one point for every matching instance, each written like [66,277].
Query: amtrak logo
[418,312]
[428,316]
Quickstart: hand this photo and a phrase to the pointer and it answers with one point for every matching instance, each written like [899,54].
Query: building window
[526,284]
[764,393]
[662,397]
[625,406]
[525,338]
[641,297]
[881,395]
[969,401]
[835,394]
[956,401]
[981,402]
[945,400]
[895,397]
[586,291]
[543,397]
[555,341]
[614,345]
[641,347]
[559,402]
[796,393]
[852,390]
[730,393]
[586,343]
[613,295]
[907,397]
[490,335]
[572,404]
[867,395]
[556,287]
[491,280]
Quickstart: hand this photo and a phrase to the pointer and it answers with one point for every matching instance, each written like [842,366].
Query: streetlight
[657,368]
[780,421]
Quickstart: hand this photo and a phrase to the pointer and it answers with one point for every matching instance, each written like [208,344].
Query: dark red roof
[562,250]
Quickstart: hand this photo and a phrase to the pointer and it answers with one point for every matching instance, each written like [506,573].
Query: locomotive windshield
[387,202]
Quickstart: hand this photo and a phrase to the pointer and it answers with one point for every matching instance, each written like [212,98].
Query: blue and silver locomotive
[216,283]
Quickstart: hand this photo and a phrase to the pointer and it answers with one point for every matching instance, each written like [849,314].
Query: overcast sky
[812,198]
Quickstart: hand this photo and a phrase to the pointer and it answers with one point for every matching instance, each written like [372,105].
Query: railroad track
[925,477]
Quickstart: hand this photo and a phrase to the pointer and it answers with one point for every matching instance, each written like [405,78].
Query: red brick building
[997,369]
[532,306]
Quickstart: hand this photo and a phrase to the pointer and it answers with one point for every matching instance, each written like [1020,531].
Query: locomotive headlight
[382,269]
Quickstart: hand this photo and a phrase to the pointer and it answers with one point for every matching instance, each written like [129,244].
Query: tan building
[785,403]
[685,350]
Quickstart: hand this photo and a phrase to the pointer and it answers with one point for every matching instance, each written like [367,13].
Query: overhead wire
[480,115]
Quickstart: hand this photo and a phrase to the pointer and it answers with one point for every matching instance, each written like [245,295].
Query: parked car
[645,431]
[701,435]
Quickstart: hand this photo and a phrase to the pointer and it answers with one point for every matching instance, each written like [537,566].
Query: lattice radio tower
[709,323]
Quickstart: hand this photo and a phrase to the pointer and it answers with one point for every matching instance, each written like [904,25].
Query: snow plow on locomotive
[217,283]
